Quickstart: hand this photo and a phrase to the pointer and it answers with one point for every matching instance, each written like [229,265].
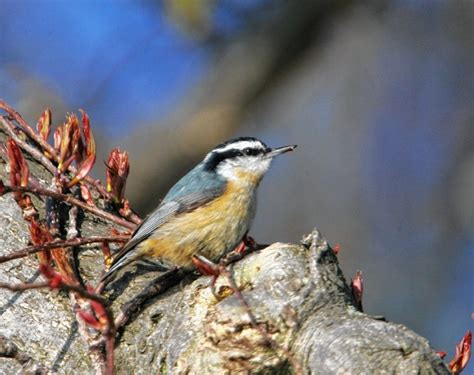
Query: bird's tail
[118,264]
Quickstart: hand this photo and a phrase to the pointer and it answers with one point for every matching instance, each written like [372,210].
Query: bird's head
[245,156]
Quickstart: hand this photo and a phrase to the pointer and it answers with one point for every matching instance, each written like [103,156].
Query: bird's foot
[250,242]
[205,266]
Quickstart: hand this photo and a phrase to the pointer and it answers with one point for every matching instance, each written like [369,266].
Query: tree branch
[70,199]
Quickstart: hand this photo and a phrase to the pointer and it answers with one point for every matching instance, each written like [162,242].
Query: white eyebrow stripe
[240,146]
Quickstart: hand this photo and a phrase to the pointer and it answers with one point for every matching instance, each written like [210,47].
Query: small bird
[207,213]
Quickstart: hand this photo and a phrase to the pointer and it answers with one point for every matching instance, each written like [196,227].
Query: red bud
[39,233]
[106,251]
[69,142]
[357,286]
[463,354]
[88,137]
[55,281]
[84,170]
[47,271]
[43,126]
[86,195]
[99,311]
[57,135]
[125,211]
[89,319]
[118,167]
[19,171]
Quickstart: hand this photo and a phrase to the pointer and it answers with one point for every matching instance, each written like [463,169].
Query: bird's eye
[247,151]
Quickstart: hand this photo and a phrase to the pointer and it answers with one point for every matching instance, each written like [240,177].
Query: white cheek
[229,169]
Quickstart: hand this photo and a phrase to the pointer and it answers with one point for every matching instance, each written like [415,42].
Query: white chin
[231,171]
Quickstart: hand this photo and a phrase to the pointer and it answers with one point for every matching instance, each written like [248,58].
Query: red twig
[109,349]
[69,199]
[134,218]
[58,244]
[109,332]
[28,130]
[34,152]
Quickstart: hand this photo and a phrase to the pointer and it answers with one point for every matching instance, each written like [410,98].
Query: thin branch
[22,287]
[133,218]
[110,330]
[58,244]
[92,296]
[34,152]
[90,181]
[28,130]
[69,199]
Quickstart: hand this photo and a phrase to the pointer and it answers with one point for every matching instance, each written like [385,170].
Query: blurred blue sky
[135,62]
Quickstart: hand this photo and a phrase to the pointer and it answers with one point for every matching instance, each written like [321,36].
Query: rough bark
[296,291]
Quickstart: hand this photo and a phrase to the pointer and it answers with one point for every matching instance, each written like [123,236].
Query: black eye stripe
[253,151]
[217,157]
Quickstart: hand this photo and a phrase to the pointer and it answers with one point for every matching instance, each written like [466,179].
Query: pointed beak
[280,150]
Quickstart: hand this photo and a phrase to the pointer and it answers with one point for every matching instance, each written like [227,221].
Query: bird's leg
[247,242]
[247,245]
[250,242]
[240,249]
[206,267]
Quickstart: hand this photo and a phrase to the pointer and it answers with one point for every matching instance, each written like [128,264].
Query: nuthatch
[208,212]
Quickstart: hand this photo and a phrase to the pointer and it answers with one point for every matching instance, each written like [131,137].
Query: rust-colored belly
[211,230]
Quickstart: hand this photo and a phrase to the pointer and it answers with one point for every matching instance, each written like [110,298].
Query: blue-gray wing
[166,210]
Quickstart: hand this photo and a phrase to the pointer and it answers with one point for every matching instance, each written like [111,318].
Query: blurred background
[379,97]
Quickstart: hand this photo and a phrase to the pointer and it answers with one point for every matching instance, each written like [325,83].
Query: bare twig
[28,130]
[134,218]
[34,152]
[72,230]
[22,287]
[74,288]
[92,296]
[60,244]
[69,199]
